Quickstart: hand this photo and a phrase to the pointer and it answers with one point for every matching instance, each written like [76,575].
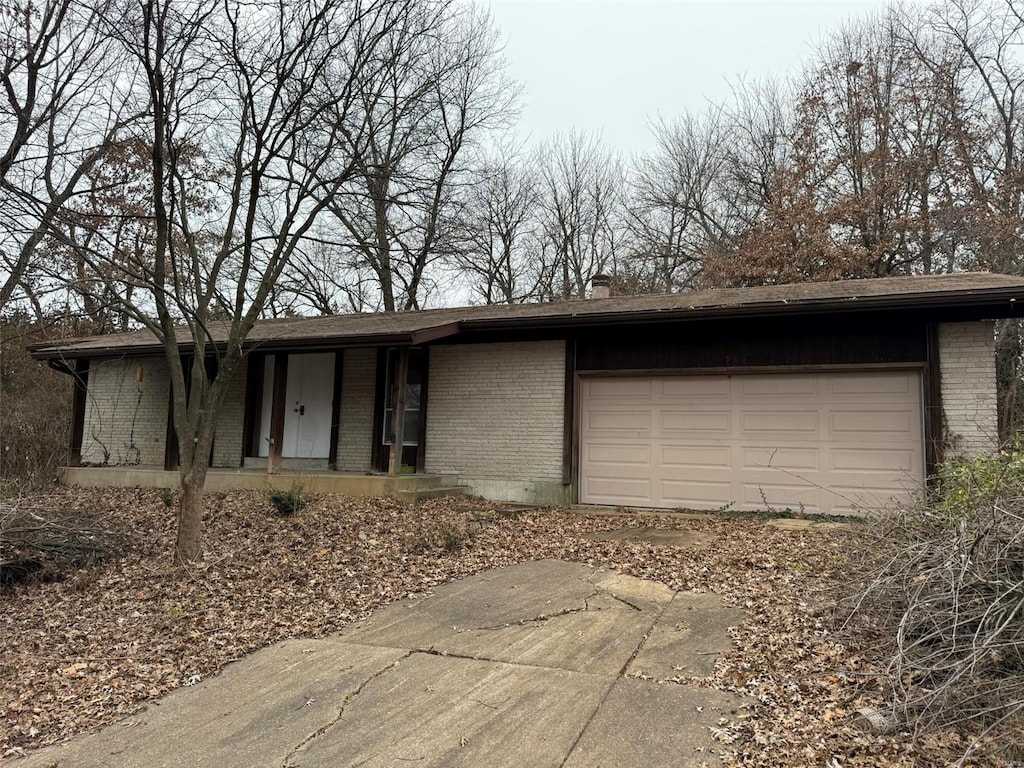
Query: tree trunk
[188,547]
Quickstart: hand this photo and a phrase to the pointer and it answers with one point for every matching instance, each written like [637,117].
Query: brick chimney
[600,287]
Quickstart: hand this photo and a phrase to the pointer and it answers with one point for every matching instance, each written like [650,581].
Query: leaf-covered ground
[90,648]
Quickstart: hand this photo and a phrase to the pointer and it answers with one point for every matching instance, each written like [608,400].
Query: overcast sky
[612,65]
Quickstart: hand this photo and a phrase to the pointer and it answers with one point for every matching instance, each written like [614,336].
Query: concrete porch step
[424,482]
[416,495]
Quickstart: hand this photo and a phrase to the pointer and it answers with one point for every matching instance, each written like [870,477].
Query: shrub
[939,587]
[287,502]
[964,486]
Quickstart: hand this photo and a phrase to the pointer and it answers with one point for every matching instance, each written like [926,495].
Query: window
[412,397]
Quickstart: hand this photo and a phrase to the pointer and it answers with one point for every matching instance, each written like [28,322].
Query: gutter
[60,366]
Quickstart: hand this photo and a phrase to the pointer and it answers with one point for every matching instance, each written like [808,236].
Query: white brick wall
[126,419]
[355,436]
[494,416]
[968,384]
[227,441]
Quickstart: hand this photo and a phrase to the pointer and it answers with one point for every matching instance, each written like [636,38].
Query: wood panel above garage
[797,342]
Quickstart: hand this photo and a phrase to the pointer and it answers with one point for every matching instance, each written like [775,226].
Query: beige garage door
[830,442]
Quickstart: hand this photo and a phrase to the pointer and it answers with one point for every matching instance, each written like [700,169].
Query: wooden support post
[569,415]
[277,412]
[81,391]
[934,437]
[398,411]
[339,369]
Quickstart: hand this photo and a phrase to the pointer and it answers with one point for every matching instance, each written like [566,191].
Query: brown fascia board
[427,335]
[993,302]
[50,351]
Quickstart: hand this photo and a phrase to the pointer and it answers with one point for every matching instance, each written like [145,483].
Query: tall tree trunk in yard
[194,449]
[188,545]
[194,411]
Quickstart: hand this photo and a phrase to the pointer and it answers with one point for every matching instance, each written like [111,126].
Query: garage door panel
[715,440]
[696,421]
[617,388]
[695,494]
[886,483]
[780,422]
[886,422]
[872,460]
[700,387]
[617,454]
[618,421]
[872,384]
[696,456]
[778,386]
[792,459]
[619,490]
[781,495]
[845,501]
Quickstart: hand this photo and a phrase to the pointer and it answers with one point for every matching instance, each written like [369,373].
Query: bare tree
[322,279]
[432,90]
[990,152]
[759,121]
[988,35]
[676,212]
[59,113]
[498,251]
[268,89]
[581,213]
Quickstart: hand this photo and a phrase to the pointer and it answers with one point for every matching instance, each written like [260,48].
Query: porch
[407,488]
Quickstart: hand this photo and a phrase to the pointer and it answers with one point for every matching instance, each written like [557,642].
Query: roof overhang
[976,298]
[990,304]
[58,351]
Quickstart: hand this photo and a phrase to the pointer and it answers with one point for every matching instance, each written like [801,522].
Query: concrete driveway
[541,664]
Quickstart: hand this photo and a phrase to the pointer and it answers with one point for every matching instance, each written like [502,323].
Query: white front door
[309,393]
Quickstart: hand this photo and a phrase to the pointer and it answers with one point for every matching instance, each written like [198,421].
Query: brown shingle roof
[993,292]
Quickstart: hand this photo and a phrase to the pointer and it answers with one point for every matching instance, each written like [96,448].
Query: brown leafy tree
[114,217]
[869,185]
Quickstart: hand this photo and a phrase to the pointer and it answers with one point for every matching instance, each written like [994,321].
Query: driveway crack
[287,762]
[623,600]
[622,673]
[645,638]
[544,616]
[487,659]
